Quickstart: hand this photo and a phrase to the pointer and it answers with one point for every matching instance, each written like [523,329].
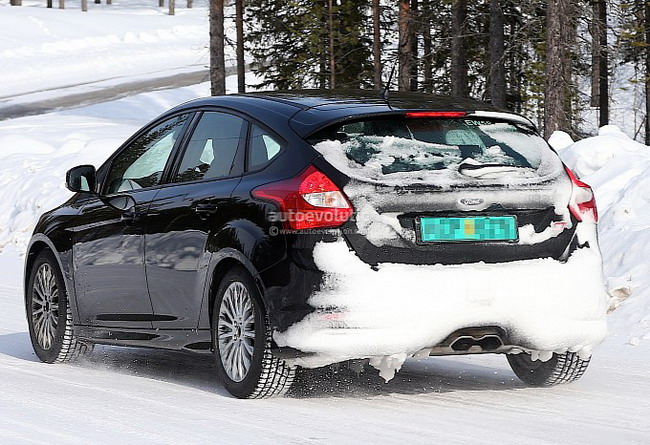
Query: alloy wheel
[45,306]
[236,331]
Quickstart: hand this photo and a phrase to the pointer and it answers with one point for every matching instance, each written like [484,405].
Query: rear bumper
[401,310]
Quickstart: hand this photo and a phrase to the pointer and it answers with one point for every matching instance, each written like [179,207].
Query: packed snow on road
[127,395]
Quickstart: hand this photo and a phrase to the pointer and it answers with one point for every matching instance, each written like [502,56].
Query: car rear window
[392,148]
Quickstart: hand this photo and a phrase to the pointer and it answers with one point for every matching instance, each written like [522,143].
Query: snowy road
[94,92]
[146,396]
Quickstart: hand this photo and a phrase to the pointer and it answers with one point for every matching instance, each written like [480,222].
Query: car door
[108,247]
[196,203]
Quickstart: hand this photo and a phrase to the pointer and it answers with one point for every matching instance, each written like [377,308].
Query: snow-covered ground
[144,396]
[45,50]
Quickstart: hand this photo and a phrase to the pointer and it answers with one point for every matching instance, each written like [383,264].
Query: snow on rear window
[402,151]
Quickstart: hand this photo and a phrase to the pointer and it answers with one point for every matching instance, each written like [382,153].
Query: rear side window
[211,150]
[263,147]
[398,147]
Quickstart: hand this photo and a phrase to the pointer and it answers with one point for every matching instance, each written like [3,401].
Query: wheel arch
[40,243]
[240,243]
[223,261]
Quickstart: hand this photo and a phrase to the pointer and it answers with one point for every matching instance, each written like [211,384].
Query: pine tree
[239,25]
[497,72]
[560,15]
[376,44]
[459,66]
[635,45]
[406,54]
[301,44]
[599,60]
[217,58]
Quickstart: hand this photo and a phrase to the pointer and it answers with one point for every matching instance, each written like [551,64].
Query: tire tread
[561,368]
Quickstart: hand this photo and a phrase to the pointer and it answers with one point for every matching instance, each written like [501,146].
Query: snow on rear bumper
[399,310]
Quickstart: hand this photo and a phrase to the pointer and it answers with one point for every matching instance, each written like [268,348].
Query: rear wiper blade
[476,169]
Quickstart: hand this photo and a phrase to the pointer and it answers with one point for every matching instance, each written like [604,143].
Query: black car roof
[311,110]
[343,99]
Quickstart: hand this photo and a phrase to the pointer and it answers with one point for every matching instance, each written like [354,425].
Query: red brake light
[448,114]
[308,201]
[583,202]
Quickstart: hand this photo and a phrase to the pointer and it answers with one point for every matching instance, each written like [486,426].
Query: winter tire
[561,368]
[49,316]
[242,341]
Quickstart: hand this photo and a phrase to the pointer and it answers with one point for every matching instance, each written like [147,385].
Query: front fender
[62,250]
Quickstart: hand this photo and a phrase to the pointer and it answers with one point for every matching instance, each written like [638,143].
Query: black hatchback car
[305,228]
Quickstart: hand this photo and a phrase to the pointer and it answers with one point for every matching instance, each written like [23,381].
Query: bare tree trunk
[217,58]
[241,67]
[109,2]
[61,4]
[458,50]
[84,5]
[595,54]
[415,13]
[172,7]
[98,2]
[161,3]
[405,55]
[376,43]
[190,3]
[558,65]
[427,47]
[322,64]
[16,2]
[603,64]
[49,3]
[497,59]
[330,25]
[647,71]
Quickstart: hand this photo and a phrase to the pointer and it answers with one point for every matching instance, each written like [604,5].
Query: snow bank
[42,49]
[618,169]
[35,153]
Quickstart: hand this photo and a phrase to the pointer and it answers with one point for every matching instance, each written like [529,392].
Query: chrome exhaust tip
[485,343]
[474,340]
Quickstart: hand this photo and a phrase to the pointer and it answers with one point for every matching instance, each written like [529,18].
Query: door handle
[205,209]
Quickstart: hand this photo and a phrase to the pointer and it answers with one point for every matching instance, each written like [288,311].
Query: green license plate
[475,228]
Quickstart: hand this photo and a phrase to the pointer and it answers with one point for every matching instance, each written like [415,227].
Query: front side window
[142,163]
[211,151]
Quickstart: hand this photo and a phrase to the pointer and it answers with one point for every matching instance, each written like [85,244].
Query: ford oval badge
[472,201]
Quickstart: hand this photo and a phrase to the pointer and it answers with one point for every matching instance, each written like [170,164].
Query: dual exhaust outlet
[474,341]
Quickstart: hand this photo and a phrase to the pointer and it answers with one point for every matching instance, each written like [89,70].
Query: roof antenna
[385,92]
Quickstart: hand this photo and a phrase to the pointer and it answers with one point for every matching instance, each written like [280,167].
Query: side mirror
[82,178]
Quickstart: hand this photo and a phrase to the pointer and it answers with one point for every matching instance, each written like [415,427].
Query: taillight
[308,201]
[583,202]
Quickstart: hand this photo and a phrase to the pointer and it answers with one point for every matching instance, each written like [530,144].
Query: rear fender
[243,243]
